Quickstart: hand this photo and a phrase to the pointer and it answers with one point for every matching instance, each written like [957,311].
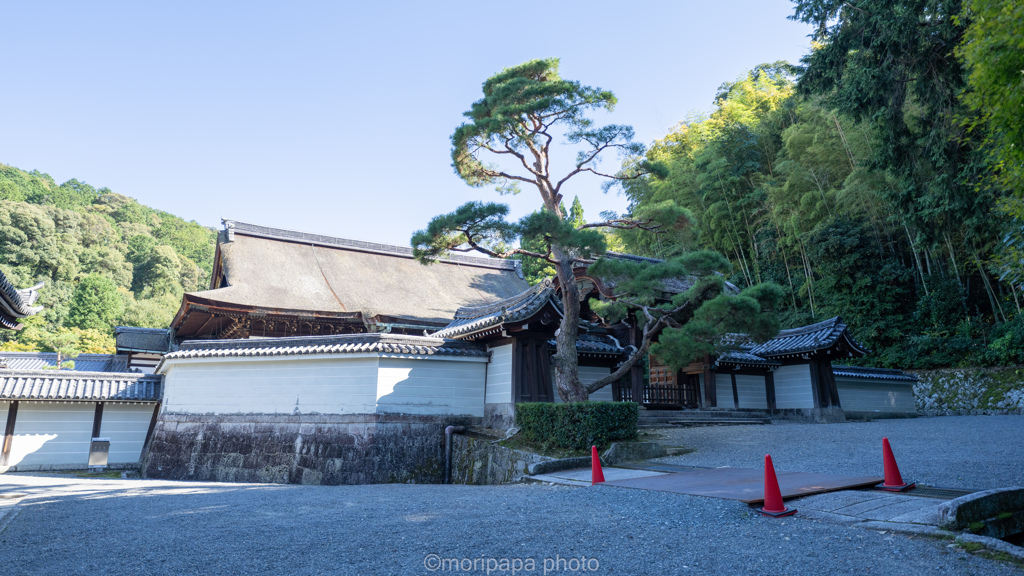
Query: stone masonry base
[299,449]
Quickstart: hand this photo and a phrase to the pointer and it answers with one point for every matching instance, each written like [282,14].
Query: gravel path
[91,526]
[951,451]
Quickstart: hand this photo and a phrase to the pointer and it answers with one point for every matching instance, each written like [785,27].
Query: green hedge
[577,425]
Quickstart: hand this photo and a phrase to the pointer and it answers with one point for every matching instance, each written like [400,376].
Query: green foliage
[83,241]
[95,304]
[577,425]
[862,195]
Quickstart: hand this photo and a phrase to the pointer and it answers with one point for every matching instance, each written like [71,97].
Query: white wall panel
[875,395]
[793,387]
[52,433]
[751,391]
[588,375]
[417,386]
[296,385]
[126,426]
[499,375]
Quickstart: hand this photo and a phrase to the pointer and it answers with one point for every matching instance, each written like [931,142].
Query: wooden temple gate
[668,389]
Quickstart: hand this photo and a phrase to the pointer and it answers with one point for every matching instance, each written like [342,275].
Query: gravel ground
[978,452]
[91,526]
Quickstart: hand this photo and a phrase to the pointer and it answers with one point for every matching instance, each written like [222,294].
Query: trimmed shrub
[577,425]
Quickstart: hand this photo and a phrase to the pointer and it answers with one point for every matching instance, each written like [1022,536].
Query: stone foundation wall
[300,449]
[501,416]
[970,391]
[480,461]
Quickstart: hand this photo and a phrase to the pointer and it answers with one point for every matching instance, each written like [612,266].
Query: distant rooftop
[16,304]
[107,363]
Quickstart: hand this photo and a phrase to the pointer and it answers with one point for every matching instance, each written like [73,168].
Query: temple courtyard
[66,524]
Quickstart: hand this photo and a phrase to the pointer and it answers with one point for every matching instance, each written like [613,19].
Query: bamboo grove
[862,181]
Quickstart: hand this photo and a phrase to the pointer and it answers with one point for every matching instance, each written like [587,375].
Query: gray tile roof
[83,362]
[16,304]
[596,345]
[522,306]
[281,271]
[75,385]
[818,337]
[312,345]
[131,339]
[740,358]
[872,373]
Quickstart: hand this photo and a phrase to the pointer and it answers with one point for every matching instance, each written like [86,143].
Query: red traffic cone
[596,474]
[893,481]
[773,505]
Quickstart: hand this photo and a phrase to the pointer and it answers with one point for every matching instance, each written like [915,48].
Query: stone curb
[993,544]
[550,466]
[905,528]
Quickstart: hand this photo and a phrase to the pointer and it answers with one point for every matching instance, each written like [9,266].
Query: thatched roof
[273,271]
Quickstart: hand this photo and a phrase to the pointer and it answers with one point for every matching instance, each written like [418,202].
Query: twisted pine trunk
[567,378]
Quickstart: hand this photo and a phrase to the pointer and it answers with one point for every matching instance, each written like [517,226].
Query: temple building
[269,282]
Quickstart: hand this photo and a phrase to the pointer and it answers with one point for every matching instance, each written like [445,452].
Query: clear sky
[335,117]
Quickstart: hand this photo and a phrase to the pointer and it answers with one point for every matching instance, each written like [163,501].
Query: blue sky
[334,117]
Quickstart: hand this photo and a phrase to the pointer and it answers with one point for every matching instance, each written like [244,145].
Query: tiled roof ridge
[140,329]
[245,228]
[303,341]
[834,322]
[469,312]
[15,304]
[76,375]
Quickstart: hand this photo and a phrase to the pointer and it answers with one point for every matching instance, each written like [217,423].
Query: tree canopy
[508,143]
[105,259]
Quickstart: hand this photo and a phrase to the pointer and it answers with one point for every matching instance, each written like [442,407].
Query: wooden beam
[12,415]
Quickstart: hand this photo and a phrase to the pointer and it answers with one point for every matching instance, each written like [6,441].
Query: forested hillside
[106,260]
[866,181]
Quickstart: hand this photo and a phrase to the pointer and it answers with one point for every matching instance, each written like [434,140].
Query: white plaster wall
[793,387]
[329,384]
[723,391]
[126,426]
[589,375]
[5,405]
[52,433]
[875,395]
[499,375]
[417,386]
[700,380]
[751,391]
[341,384]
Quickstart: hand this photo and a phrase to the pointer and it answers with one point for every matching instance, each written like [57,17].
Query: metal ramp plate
[744,484]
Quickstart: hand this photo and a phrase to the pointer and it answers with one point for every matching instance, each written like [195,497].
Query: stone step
[720,421]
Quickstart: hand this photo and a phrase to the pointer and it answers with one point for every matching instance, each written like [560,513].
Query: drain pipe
[448,450]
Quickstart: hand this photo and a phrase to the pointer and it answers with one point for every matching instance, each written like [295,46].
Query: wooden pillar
[636,373]
[735,393]
[710,395]
[769,389]
[818,401]
[152,427]
[12,415]
[828,380]
[97,420]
